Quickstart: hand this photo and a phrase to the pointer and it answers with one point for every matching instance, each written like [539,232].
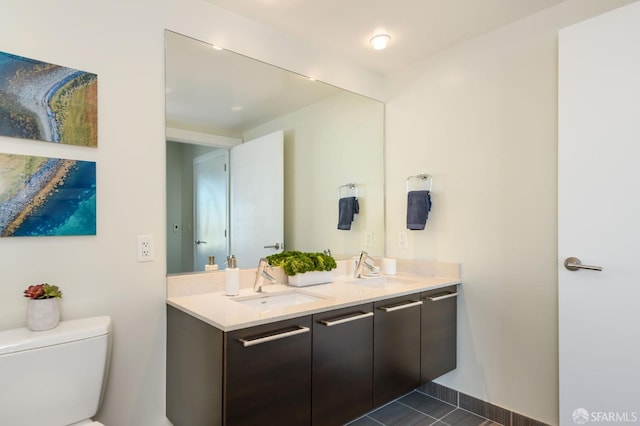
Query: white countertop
[227,314]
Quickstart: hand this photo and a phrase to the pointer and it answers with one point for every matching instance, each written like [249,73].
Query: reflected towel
[418,207]
[347,208]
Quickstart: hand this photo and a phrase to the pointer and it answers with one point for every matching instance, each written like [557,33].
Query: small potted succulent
[43,306]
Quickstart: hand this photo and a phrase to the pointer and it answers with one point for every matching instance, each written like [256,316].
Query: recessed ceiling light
[380,41]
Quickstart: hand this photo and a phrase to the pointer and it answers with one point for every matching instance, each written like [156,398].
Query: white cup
[389,266]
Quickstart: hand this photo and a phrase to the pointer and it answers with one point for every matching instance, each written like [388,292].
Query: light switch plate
[367,239]
[403,239]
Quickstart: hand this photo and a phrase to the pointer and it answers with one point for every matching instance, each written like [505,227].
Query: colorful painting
[47,102]
[42,196]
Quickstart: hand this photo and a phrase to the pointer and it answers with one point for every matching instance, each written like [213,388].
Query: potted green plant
[304,268]
[43,306]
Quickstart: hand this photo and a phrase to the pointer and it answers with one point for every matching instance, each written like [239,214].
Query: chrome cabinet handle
[275,246]
[331,323]
[573,264]
[200,242]
[442,297]
[259,340]
[399,307]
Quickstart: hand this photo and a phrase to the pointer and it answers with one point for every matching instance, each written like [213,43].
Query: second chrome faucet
[365,261]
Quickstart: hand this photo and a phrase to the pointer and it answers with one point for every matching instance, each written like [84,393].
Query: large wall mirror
[332,140]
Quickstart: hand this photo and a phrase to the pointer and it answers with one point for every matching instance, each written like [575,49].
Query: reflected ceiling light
[380,41]
[237,108]
[217,47]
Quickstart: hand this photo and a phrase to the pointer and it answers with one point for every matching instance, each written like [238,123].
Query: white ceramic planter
[310,278]
[43,314]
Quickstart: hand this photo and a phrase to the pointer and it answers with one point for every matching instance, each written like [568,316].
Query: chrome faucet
[363,261]
[261,274]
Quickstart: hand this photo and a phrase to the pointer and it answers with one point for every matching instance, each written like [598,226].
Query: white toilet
[54,377]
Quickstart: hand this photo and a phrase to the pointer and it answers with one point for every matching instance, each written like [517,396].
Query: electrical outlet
[403,239]
[367,239]
[145,248]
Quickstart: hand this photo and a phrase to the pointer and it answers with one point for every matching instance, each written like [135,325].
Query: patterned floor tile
[427,405]
[396,414]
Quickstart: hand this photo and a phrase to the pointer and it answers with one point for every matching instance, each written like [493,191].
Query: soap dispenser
[211,266]
[231,277]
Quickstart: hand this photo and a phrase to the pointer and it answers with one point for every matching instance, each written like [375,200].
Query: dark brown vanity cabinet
[342,382]
[268,374]
[325,369]
[253,376]
[396,342]
[438,340]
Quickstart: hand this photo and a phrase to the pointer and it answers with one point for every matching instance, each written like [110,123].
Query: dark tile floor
[417,408]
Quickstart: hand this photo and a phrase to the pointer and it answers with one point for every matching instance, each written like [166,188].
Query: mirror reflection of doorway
[210,197]
[200,192]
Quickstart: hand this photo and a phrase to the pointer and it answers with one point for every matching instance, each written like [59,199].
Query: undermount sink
[281,299]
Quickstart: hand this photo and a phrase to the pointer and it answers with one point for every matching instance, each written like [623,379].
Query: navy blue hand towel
[347,208]
[418,207]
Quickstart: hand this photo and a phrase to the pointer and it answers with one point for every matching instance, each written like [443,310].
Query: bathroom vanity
[322,355]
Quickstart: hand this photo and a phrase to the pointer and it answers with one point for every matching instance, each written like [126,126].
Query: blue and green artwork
[41,196]
[47,102]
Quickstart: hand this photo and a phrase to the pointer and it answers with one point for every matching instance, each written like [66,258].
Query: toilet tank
[54,377]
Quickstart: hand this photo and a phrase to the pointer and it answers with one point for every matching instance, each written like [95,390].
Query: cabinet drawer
[342,382]
[396,341]
[268,374]
[439,332]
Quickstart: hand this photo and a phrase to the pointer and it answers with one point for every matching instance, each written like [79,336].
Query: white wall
[122,41]
[99,275]
[482,119]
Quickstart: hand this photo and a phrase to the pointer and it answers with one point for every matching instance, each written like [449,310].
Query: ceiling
[418,28]
[205,87]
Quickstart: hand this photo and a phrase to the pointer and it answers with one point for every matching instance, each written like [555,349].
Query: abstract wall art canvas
[47,102]
[41,196]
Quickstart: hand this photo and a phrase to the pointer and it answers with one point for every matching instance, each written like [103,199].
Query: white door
[257,199]
[599,219]
[210,181]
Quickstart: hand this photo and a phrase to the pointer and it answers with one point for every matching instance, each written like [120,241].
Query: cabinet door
[268,374]
[342,382]
[396,341]
[194,371]
[439,324]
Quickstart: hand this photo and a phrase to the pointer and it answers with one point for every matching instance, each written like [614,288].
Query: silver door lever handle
[198,242]
[275,246]
[573,264]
